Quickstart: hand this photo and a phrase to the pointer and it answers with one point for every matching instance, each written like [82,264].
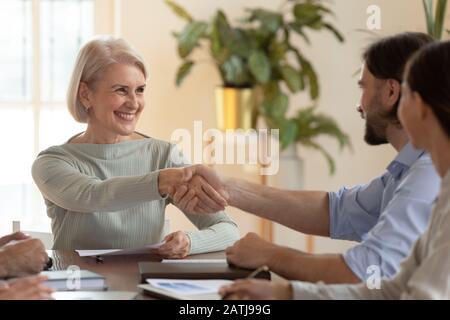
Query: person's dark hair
[387,58]
[428,73]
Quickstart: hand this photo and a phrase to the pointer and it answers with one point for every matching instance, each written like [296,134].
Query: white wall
[147,25]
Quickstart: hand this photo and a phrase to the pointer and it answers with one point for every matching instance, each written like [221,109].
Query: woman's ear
[84,94]
[423,110]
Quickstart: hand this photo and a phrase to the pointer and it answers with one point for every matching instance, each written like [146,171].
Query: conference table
[121,272]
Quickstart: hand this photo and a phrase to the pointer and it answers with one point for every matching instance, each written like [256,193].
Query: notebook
[79,280]
[184,289]
[197,270]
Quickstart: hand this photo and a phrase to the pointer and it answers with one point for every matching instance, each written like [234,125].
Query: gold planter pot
[236,108]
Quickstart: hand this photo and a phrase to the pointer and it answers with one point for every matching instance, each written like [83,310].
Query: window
[40,40]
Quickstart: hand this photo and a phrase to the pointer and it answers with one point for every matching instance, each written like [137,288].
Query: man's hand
[253,289]
[197,196]
[251,252]
[16,236]
[28,288]
[213,179]
[22,258]
[194,189]
[176,246]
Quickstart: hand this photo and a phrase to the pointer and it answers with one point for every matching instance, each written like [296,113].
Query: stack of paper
[115,252]
[183,289]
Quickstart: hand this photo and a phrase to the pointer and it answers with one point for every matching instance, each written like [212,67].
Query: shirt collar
[404,160]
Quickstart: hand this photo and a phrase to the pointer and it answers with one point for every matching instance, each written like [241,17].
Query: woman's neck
[96,137]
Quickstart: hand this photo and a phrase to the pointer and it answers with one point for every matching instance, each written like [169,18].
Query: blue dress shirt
[386,215]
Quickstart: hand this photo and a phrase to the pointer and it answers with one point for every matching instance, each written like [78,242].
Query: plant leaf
[259,66]
[311,74]
[288,132]
[306,13]
[269,20]
[338,35]
[234,72]
[312,125]
[292,77]
[276,107]
[440,18]
[216,44]
[328,157]
[183,71]
[428,7]
[298,28]
[189,37]
[179,11]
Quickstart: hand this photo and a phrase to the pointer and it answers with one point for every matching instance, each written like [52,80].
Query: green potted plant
[435,19]
[259,65]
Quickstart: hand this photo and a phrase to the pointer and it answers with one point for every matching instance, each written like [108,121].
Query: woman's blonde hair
[92,61]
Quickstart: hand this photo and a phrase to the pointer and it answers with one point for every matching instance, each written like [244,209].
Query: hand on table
[250,252]
[16,236]
[23,257]
[28,288]
[176,246]
[255,289]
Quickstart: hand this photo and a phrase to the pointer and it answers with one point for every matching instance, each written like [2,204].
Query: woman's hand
[28,288]
[176,246]
[255,289]
[194,189]
[197,196]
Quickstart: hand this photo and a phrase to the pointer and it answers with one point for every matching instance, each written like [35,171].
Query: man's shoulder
[421,180]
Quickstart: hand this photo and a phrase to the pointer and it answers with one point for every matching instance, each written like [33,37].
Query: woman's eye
[140,90]
[121,91]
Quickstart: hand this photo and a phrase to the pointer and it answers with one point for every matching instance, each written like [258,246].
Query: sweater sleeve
[63,184]
[386,289]
[216,231]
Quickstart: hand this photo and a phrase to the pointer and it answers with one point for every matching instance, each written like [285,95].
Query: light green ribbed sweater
[102,196]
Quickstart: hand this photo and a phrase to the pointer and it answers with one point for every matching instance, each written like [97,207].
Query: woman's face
[117,100]
[410,115]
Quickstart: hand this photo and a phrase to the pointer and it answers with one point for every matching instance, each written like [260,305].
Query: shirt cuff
[154,186]
[304,291]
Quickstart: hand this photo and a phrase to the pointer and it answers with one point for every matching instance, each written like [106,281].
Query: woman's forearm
[72,190]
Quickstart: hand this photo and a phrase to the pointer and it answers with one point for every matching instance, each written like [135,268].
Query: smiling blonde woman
[107,187]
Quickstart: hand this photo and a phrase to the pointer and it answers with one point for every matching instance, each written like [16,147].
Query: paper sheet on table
[194,261]
[116,252]
[188,287]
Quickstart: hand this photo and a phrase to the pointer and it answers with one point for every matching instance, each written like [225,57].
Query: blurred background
[40,40]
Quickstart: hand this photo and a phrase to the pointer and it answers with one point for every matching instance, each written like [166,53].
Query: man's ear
[84,94]
[394,90]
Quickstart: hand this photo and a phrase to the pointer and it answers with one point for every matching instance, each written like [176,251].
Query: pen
[251,276]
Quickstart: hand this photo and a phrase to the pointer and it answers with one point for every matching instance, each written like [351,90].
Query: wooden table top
[121,272]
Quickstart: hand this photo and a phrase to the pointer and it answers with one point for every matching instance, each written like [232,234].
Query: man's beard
[376,125]
[375,132]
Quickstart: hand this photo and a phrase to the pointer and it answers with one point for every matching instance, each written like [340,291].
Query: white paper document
[188,287]
[181,261]
[115,252]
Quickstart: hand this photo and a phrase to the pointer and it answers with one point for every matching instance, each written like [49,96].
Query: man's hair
[428,74]
[387,58]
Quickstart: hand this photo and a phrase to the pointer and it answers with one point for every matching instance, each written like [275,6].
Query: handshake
[195,189]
